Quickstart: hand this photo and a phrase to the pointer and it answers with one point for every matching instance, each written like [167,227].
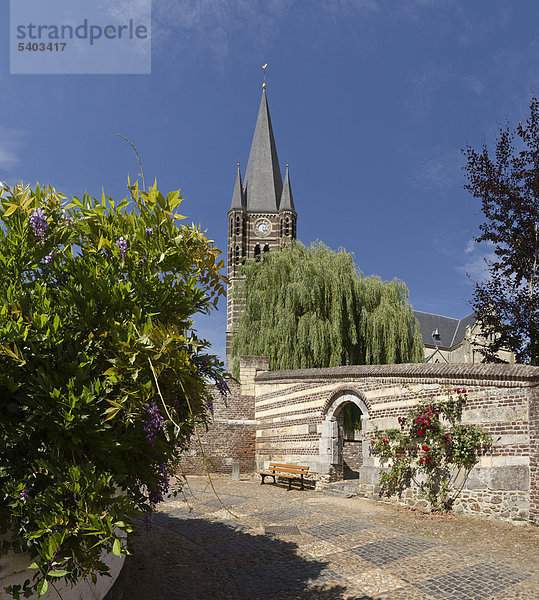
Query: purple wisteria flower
[222,386]
[148,521]
[209,404]
[122,245]
[49,258]
[153,422]
[149,230]
[38,222]
[25,494]
[156,496]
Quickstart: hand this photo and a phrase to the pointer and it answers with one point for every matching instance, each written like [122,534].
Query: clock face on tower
[263,227]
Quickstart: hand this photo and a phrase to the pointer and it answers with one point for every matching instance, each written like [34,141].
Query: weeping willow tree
[309,307]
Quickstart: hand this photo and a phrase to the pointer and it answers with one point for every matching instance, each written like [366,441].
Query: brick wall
[534,456]
[229,442]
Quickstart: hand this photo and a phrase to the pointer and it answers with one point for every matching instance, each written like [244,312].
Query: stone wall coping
[525,375]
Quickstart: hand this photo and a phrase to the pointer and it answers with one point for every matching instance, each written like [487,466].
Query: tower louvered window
[237,255]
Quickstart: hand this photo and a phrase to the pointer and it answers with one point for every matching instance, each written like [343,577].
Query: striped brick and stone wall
[297,421]
[295,417]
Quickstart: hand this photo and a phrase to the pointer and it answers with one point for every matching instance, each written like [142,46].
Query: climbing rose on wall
[432,450]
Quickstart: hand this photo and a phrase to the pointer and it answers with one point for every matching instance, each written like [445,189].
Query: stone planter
[14,570]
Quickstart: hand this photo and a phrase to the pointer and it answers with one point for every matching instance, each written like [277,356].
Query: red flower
[420,432]
[421,461]
[426,448]
[385,441]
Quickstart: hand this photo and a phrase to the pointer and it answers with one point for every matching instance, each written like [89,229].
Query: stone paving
[273,544]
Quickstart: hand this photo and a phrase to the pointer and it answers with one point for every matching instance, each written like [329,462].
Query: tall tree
[309,307]
[507,183]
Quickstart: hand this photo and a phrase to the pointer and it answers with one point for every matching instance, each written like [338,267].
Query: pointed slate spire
[263,182]
[287,202]
[238,199]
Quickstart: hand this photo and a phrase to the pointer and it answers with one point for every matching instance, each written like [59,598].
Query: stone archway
[331,441]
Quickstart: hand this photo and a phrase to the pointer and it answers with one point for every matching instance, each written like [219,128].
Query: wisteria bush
[102,377]
[432,451]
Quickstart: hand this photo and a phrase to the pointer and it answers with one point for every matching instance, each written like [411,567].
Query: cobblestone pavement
[270,543]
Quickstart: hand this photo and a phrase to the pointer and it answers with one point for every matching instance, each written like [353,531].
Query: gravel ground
[270,543]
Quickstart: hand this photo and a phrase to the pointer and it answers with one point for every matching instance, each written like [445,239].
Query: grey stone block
[510,478]
[477,480]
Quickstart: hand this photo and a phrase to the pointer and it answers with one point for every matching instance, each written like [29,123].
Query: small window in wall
[231,226]
[237,255]
[237,225]
[287,226]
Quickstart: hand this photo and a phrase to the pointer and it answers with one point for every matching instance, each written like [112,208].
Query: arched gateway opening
[341,446]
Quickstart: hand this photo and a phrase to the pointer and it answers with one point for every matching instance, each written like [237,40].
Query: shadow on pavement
[193,558]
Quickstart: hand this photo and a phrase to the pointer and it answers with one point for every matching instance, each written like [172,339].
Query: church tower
[262,217]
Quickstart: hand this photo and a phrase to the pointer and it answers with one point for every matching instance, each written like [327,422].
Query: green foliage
[351,417]
[432,450]
[309,307]
[102,379]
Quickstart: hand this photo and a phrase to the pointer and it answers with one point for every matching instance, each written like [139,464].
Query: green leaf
[12,208]
[116,548]
[57,573]
[42,587]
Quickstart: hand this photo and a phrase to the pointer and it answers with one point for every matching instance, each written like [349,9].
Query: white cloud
[424,85]
[436,167]
[10,148]
[475,84]
[475,265]
[209,29]
[470,246]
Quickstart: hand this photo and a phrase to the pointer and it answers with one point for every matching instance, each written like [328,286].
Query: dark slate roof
[287,201]
[238,199]
[450,331]
[263,183]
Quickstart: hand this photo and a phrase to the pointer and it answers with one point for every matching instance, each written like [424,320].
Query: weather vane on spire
[264,69]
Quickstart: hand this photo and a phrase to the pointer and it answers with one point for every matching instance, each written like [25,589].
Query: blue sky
[370,101]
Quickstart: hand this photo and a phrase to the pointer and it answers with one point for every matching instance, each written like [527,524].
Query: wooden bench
[290,472]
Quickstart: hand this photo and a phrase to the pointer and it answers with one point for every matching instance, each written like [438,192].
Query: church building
[262,216]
